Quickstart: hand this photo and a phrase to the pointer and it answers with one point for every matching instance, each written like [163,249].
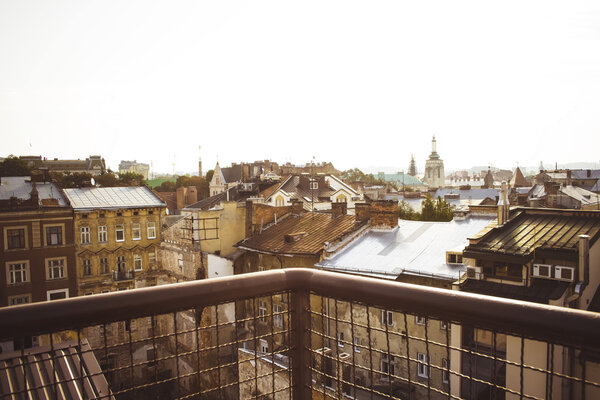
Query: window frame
[86,266]
[445,371]
[138,257]
[84,233]
[262,311]
[11,299]
[104,267]
[62,268]
[25,271]
[136,228]
[25,237]
[119,228]
[390,366]
[61,234]
[420,320]
[151,227]
[387,318]
[278,315]
[422,365]
[51,292]
[102,234]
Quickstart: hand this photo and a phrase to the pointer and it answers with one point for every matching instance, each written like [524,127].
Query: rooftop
[541,230]
[311,231]
[21,186]
[112,197]
[415,247]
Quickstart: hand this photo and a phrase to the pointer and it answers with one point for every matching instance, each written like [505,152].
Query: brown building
[37,251]
[94,165]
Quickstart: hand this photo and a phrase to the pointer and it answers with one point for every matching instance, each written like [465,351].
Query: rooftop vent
[294,237]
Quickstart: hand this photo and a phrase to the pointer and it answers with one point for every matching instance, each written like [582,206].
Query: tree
[131,179]
[405,211]
[108,179]
[66,180]
[431,210]
[14,166]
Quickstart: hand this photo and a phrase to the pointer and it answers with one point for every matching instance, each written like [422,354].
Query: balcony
[298,333]
[122,275]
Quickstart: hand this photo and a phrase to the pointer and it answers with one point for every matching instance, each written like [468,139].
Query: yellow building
[117,235]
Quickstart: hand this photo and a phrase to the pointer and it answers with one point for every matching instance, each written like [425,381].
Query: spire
[433,145]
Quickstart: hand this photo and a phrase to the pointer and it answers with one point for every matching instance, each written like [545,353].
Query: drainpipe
[583,269]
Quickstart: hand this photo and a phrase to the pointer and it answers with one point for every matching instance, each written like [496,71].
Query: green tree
[405,211]
[14,166]
[108,179]
[443,210]
[66,180]
[131,179]
[428,209]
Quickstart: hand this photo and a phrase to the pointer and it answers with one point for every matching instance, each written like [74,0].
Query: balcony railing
[298,333]
[122,275]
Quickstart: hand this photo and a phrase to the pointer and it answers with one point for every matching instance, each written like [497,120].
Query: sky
[357,83]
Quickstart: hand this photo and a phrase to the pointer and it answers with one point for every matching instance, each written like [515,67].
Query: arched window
[279,201]
[341,199]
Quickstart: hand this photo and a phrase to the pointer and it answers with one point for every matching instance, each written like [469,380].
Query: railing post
[300,345]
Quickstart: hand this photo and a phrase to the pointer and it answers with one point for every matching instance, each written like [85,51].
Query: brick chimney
[338,209]
[180,192]
[191,196]
[384,214]
[551,188]
[362,211]
[297,206]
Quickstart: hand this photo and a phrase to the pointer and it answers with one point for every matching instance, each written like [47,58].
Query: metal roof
[113,197]
[20,187]
[72,372]
[415,247]
[539,230]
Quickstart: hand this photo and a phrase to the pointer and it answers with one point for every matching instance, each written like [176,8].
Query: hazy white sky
[356,83]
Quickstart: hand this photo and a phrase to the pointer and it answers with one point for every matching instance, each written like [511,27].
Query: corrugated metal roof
[17,187]
[113,197]
[415,247]
[540,230]
[317,229]
[73,373]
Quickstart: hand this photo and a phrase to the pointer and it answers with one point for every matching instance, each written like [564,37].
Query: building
[584,178]
[434,168]
[228,177]
[134,167]
[545,256]
[117,233]
[553,195]
[518,180]
[317,192]
[402,181]
[94,165]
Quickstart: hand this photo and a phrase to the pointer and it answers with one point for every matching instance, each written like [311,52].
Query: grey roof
[583,174]
[113,197]
[415,247]
[79,373]
[17,186]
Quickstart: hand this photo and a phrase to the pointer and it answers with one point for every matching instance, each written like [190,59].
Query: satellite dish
[93,182]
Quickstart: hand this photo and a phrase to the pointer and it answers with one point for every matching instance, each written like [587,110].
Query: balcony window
[15,239]
[120,233]
[151,230]
[121,266]
[102,234]
[53,235]
[104,265]
[137,262]
[56,268]
[18,273]
[136,232]
[84,235]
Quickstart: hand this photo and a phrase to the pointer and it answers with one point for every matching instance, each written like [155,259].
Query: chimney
[551,188]
[297,206]
[180,195]
[503,205]
[584,260]
[362,211]
[338,209]
[384,214]
[191,195]
[568,177]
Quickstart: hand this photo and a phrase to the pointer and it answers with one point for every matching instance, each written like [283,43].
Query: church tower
[412,168]
[434,168]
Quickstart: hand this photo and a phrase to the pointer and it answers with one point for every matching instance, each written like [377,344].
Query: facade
[546,256]
[37,251]
[117,235]
[434,168]
[135,167]
[553,195]
[94,165]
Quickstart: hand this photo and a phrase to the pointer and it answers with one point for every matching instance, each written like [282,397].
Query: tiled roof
[315,230]
[539,230]
[113,197]
[69,361]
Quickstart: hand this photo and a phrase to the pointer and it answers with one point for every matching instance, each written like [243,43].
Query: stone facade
[434,169]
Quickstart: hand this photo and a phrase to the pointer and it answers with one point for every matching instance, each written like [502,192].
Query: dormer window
[314,185]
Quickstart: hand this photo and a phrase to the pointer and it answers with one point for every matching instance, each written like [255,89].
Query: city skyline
[356,85]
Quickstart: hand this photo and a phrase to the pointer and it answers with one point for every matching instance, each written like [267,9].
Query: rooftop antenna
[151,169]
[173,164]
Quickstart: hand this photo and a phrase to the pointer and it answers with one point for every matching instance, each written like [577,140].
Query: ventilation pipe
[503,205]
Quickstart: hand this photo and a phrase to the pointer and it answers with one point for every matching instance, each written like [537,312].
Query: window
[261,268]
[104,265]
[387,317]
[151,230]
[277,316]
[121,266]
[102,234]
[445,371]
[84,234]
[279,201]
[180,262]
[20,299]
[53,235]
[87,267]
[57,294]
[357,345]
[264,346]
[262,311]
[18,272]
[340,339]
[88,293]
[56,268]
[420,320]
[341,199]
[105,291]
[137,262]
[120,233]
[443,325]
[15,239]
[422,369]
[151,259]
[314,185]
[136,232]
[387,365]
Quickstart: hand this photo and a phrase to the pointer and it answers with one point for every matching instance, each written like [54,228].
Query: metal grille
[297,334]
